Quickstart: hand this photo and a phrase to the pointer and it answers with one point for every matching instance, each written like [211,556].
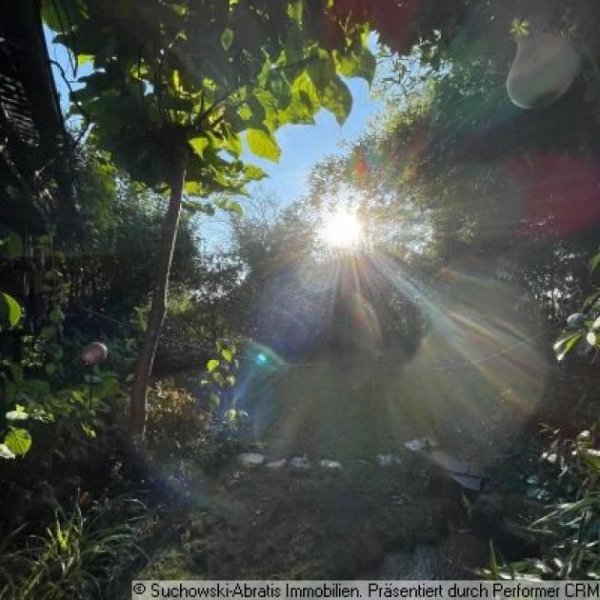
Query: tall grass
[84,553]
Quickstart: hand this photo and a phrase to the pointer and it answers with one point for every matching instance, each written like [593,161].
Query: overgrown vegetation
[479,222]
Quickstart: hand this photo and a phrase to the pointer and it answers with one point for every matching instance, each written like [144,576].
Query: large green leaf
[337,98]
[10,311]
[18,441]
[263,144]
[362,64]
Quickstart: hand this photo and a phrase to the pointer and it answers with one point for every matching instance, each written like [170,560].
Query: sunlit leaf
[10,311]
[18,414]
[18,441]
[83,59]
[253,172]
[263,144]
[199,145]
[595,262]
[211,365]
[565,345]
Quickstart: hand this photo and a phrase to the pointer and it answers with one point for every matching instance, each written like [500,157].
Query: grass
[84,553]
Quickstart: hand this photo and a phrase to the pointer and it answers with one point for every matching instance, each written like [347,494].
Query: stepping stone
[300,462]
[387,460]
[251,459]
[332,465]
[277,464]
[465,474]
[419,444]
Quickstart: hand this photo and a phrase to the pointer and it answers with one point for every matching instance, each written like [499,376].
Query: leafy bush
[176,426]
[569,531]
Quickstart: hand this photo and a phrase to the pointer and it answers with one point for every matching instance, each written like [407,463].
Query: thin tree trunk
[137,418]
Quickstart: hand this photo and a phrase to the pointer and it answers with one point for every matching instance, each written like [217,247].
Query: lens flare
[342,230]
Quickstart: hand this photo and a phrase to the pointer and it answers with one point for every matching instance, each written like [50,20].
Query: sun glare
[342,229]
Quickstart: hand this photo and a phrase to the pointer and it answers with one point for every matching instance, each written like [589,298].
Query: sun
[342,230]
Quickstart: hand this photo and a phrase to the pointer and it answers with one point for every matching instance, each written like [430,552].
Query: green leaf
[10,311]
[236,208]
[494,569]
[295,10]
[195,188]
[227,354]
[593,457]
[263,144]
[565,345]
[83,59]
[18,441]
[180,9]
[88,431]
[176,80]
[211,365]
[595,262]
[199,145]
[321,70]
[358,65]
[230,206]
[253,172]
[337,99]
[13,244]
[196,206]
[227,39]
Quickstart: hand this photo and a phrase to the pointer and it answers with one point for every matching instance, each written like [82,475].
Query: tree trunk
[137,418]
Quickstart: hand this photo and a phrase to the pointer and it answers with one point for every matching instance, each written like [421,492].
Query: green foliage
[84,552]
[569,526]
[198,76]
[582,329]
[220,373]
[18,440]
[10,311]
[74,413]
[178,425]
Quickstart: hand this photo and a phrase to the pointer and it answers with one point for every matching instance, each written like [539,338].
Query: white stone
[416,445]
[330,464]
[386,460]
[6,452]
[251,459]
[299,462]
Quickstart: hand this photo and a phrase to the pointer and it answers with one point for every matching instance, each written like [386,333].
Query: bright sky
[302,146]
